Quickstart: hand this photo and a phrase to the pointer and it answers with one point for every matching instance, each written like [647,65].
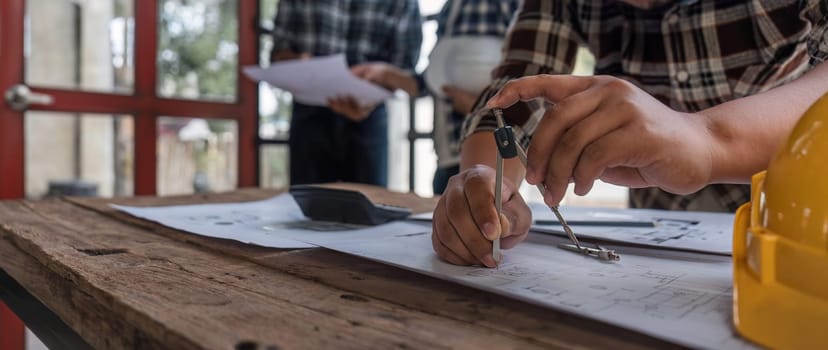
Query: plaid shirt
[364,30]
[474,18]
[690,54]
[477,17]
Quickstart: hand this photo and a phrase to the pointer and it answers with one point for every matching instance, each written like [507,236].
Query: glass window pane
[274,104]
[265,48]
[197,155]
[425,164]
[83,45]
[198,49]
[584,62]
[274,166]
[398,146]
[267,11]
[78,154]
[275,108]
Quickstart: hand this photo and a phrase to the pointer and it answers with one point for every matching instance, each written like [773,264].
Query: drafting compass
[507,148]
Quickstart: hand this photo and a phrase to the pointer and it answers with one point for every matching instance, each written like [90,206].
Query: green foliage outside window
[198,49]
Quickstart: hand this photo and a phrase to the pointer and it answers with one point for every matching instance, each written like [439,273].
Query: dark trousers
[327,147]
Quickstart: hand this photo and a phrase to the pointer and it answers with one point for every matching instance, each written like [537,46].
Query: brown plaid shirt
[690,54]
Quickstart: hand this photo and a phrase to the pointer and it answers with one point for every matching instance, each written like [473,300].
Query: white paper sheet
[315,80]
[272,223]
[697,231]
[682,297]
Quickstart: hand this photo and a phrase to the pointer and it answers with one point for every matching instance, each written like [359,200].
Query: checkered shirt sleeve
[689,54]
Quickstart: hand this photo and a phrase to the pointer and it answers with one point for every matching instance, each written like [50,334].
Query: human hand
[465,219]
[387,76]
[350,108]
[461,101]
[607,128]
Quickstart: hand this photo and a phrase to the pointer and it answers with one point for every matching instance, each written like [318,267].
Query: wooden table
[120,282]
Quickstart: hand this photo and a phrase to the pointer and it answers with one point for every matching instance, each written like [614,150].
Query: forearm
[403,80]
[479,148]
[748,131]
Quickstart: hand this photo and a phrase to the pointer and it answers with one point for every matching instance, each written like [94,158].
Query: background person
[458,19]
[326,146]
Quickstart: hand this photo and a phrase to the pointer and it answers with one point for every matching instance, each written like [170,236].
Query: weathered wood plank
[121,287]
[418,292]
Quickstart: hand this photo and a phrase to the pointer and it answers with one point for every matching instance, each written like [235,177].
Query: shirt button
[682,76]
[673,19]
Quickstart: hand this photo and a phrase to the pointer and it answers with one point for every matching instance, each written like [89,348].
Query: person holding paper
[326,146]
[461,26]
[684,102]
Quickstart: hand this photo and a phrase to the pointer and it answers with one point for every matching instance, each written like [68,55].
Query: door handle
[19,97]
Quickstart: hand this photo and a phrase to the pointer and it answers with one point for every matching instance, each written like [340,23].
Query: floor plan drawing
[678,295]
[686,300]
[696,231]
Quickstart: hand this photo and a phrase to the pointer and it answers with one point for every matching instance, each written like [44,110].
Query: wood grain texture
[121,282]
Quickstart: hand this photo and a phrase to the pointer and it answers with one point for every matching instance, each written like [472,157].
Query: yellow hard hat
[780,243]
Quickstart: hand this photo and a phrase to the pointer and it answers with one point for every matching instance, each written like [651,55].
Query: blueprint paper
[261,223]
[682,297]
[314,81]
[697,231]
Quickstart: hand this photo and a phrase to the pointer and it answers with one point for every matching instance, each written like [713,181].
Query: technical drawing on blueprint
[678,296]
[696,231]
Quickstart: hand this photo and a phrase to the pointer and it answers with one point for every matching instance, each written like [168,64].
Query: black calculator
[346,206]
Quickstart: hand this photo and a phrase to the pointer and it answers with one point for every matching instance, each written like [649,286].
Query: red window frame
[143,105]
